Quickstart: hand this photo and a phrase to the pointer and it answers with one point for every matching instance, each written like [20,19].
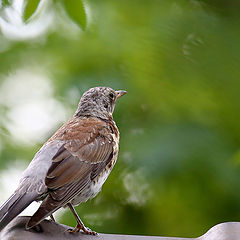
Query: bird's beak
[120,93]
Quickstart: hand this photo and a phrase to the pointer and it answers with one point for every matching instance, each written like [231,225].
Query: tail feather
[4,208]
[14,206]
[47,207]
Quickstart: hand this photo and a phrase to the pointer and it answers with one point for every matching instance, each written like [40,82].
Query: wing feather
[78,161]
[87,148]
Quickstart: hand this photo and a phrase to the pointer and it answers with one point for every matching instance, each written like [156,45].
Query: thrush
[73,164]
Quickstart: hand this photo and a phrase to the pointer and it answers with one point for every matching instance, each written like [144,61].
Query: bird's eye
[111,95]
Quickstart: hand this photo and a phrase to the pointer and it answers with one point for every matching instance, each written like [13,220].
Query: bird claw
[83,229]
[88,231]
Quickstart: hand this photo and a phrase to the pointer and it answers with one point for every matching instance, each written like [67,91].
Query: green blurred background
[178,171]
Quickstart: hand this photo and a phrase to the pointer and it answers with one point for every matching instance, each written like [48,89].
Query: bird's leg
[80,225]
[52,218]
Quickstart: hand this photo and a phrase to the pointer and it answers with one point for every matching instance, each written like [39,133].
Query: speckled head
[98,102]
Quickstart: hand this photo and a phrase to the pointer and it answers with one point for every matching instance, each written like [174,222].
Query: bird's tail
[47,207]
[14,206]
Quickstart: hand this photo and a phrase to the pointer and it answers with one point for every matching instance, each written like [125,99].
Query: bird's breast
[96,184]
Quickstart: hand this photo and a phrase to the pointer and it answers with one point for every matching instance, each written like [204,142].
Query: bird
[72,165]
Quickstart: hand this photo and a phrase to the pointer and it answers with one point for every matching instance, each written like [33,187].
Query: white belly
[92,190]
[96,185]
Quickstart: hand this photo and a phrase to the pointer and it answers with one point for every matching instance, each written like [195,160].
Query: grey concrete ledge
[49,230]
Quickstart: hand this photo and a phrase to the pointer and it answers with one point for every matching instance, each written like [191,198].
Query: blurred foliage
[179,163]
[76,11]
[30,8]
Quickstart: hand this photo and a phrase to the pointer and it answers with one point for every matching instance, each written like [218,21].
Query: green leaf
[30,8]
[6,3]
[76,12]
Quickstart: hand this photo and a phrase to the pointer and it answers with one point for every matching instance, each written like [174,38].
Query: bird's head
[98,102]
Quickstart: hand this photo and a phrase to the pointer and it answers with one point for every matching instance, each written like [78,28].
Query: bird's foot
[52,218]
[83,229]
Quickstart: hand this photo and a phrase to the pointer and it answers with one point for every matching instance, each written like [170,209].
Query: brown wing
[79,161]
[87,148]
